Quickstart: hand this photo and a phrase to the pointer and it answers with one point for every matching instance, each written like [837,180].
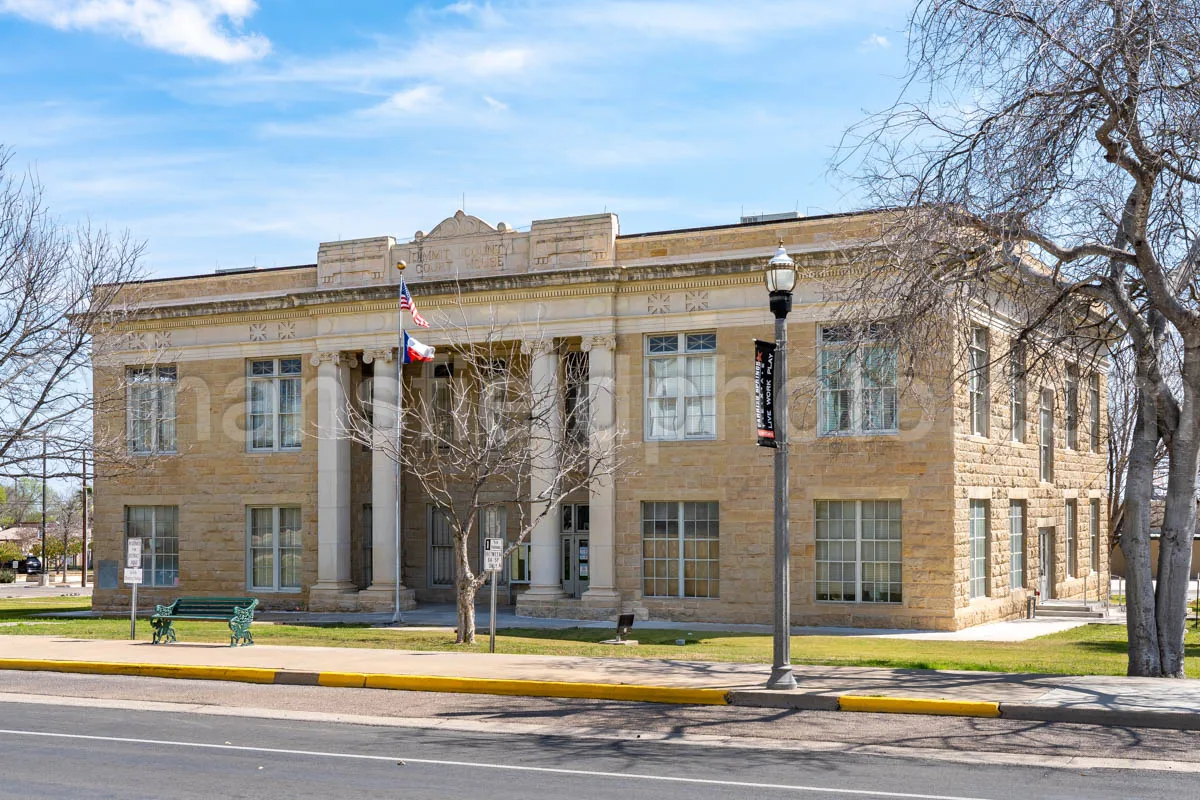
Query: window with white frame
[1072,407]
[1072,520]
[273,541]
[859,551]
[575,397]
[150,405]
[1046,436]
[979,548]
[441,548]
[1094,411]
[274,396]
[681,386]
[978,383]
[1018,387]
[681,549]
[158,528]
[1016,544]
[857,372]
[1094,532]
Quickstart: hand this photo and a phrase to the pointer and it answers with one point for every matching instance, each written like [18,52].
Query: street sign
[133,554]
[133,576]
[493,555]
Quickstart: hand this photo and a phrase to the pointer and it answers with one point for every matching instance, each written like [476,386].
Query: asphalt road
[209,740]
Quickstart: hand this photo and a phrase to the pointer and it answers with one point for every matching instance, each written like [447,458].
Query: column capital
[538,347]
[338,358]
[606,342]
[387,355]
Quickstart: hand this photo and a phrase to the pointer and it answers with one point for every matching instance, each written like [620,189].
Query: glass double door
[575,567]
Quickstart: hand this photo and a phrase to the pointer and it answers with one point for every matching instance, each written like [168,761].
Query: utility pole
[83,553]
[45,576]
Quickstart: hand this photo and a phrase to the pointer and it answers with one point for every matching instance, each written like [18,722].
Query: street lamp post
[781,280]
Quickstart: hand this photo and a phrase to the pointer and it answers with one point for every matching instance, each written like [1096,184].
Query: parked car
[33,565]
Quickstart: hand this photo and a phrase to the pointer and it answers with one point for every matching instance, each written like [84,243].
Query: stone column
[602,500]
[381,595]
[545,545]
[333,481]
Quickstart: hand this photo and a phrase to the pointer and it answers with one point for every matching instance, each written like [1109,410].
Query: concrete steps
[1069,610]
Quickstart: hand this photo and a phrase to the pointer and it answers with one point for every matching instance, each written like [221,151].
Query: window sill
[153,454]
[269,590]
[871,603]
[648,440]
[269,452]
[857,434]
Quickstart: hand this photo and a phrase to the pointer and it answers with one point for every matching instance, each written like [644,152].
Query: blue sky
[227,133]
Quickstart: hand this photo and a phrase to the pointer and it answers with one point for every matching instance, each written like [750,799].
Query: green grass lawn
[1087,650]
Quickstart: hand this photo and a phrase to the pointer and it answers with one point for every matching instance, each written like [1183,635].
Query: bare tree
[59,286]
[1042,164]
[496,431]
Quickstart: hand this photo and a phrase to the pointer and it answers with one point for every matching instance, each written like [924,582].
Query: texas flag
[415,351]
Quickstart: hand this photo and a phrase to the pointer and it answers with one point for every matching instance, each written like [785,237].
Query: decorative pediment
[461,224]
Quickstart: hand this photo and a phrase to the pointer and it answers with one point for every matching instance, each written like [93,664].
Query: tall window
[1072,539]
[441,548]
[858,381]
[1046,436]
[681,386]
[575,385]
[978,384]
[859,551]
[681,550]
[275,404]
[440,376]
[1019,389]
[273,539]
[1094,410]
[158,528]
[1073,407]
[1094,532]
[368,544]
[1016,544]
[150,404]
[979,548]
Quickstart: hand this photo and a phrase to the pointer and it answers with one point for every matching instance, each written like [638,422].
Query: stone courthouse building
[902,515]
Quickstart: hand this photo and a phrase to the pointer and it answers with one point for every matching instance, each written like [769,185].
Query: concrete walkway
[1104,700]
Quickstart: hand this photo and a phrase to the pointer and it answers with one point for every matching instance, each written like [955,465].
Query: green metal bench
[238,611]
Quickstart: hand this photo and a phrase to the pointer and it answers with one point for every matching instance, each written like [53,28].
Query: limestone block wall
[999,470]
[914,467]
[212,480]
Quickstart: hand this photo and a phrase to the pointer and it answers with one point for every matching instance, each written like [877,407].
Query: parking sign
[493,555]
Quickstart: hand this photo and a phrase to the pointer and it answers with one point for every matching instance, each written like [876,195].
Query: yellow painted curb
[530,688]
[919,705]
[240,674]
[343,680]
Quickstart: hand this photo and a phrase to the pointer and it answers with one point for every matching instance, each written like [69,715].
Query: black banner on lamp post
[764,392]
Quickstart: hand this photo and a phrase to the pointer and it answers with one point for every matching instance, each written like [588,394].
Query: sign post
[493,562]
[133,577]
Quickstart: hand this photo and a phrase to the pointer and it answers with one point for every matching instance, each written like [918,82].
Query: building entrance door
[575,568]
[1046,563]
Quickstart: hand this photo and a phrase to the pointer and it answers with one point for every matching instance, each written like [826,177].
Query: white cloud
[494,104]
[874,42]
[417,100]
[202,28]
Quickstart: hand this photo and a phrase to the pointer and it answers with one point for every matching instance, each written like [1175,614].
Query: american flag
[406,304]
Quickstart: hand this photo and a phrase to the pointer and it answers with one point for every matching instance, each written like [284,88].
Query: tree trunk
[464,592]
[1144,655]
[1179,524]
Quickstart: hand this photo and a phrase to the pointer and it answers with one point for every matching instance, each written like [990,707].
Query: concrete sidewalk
[1122,701]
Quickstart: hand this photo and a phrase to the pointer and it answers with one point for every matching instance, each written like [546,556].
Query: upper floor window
[1017,382]
[858,381]
[575,397]
[681,386]
[150,406]
[275,404]
[1046,436]
[1094,410]
[1072,407]
[978,383]
[441,402]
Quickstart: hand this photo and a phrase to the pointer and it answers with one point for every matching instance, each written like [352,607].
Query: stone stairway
[1069,609]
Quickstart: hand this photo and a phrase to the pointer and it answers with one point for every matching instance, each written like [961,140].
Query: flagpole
[400,353]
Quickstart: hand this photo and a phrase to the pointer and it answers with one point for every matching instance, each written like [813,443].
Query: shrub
[7,576]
